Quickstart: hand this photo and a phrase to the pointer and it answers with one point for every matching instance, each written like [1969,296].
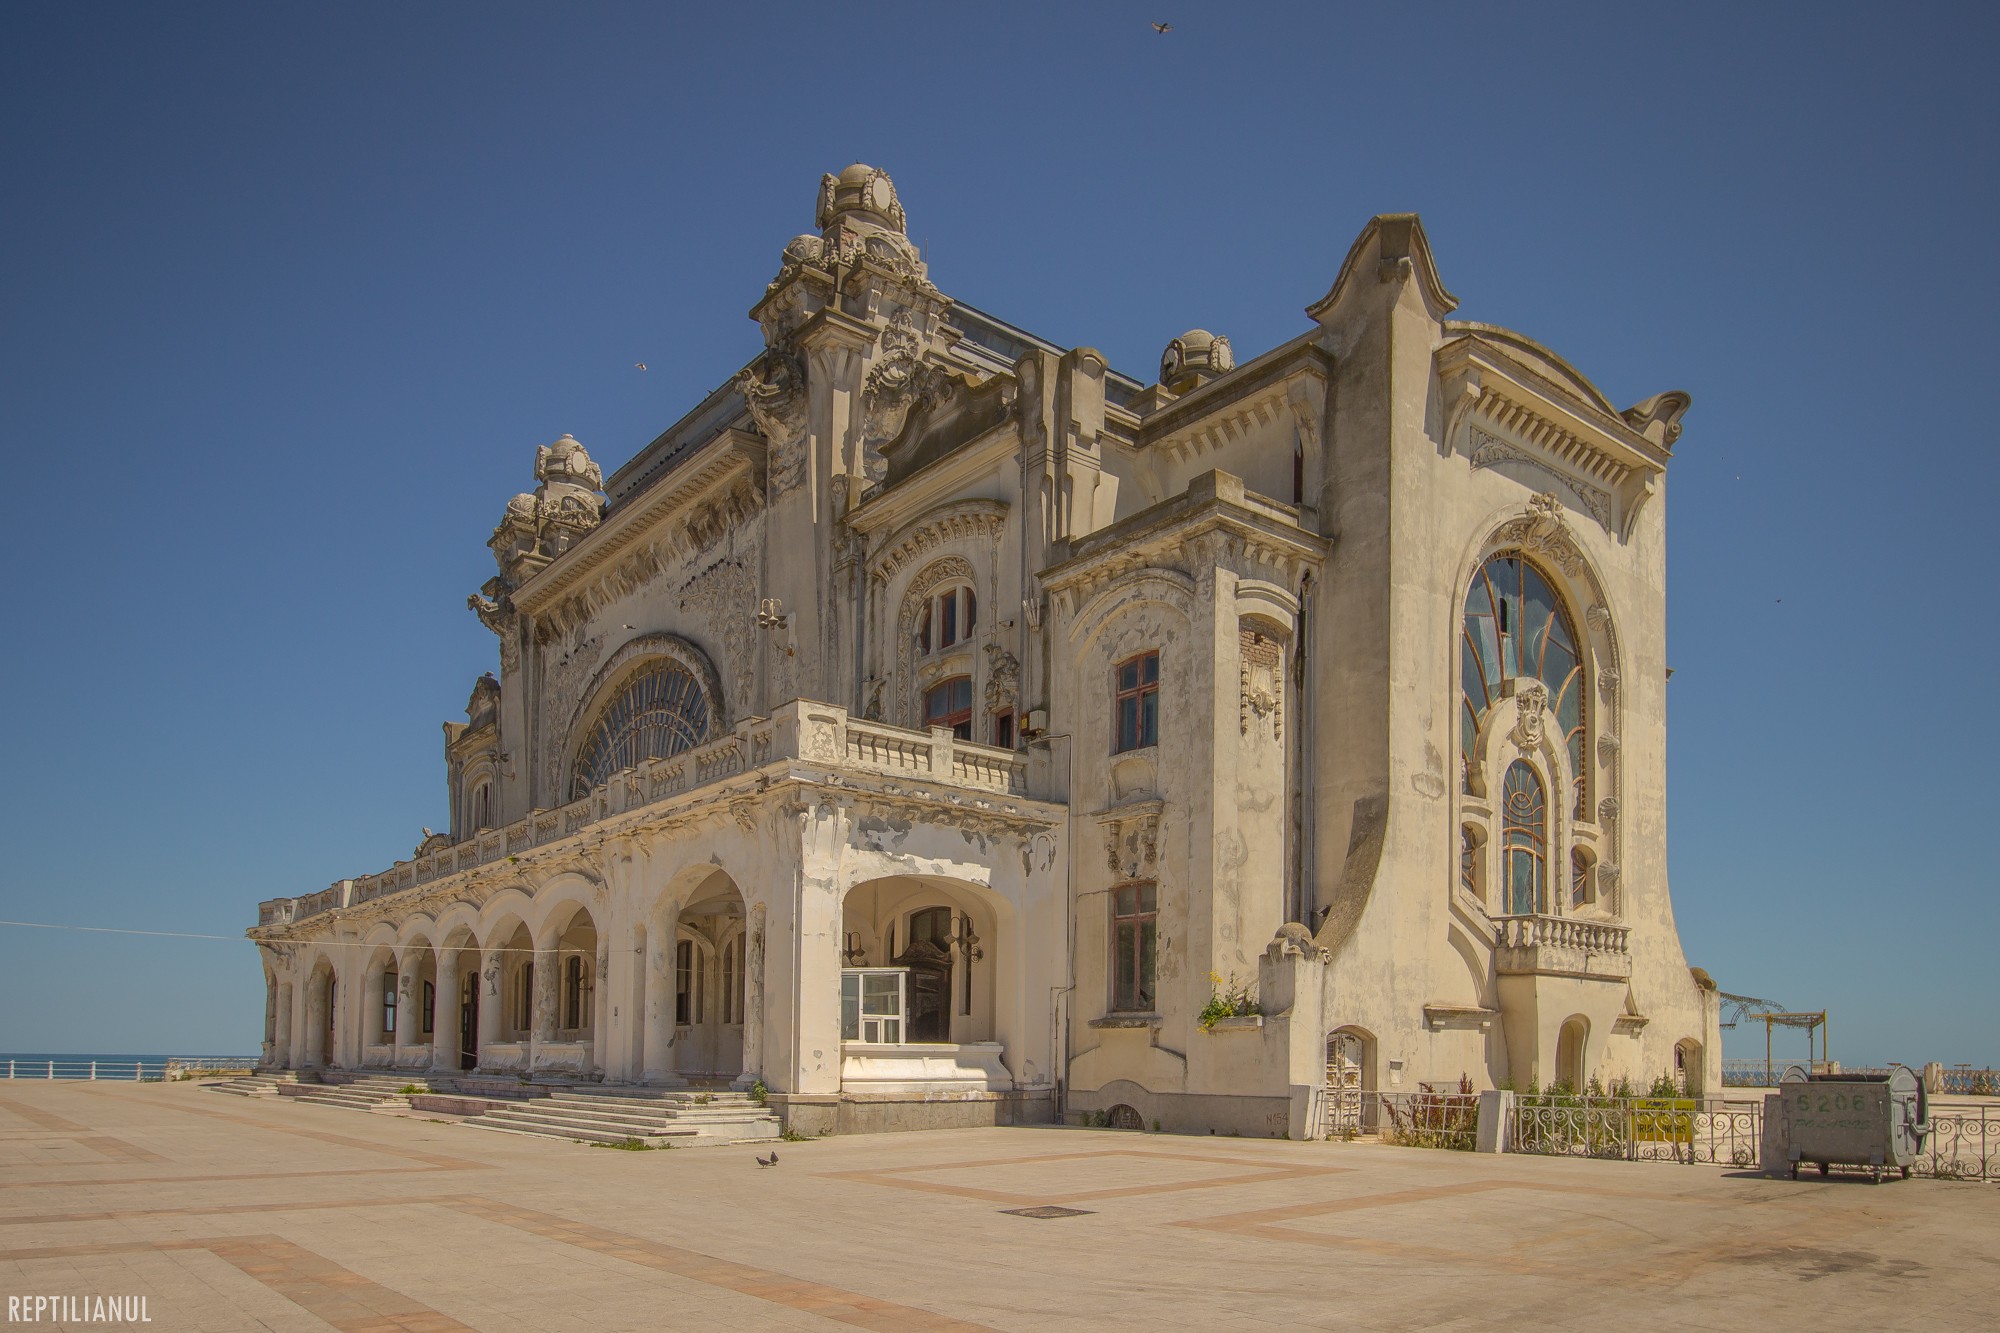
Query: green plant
[703,1098]
[634,1145]
[1156,1126]
[793,1136]
[409,1088]
[1229,999]
[759,1093]
[1663,1086]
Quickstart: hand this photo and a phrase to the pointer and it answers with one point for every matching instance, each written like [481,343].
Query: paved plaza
[241,1213]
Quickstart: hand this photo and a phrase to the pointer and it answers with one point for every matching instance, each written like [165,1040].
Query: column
[409,999]
[548,966]
[599,997]
[490,1014]
[658,965]
[270,1049]
[281,1050]
[753,997]
[444,1021]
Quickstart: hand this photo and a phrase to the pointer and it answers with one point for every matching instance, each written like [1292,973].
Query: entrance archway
[1571,1049]
[455,1040]
[1350,1081]
[1687,1067]
[708,994]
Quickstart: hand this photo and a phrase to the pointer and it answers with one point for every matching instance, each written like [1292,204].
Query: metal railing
[1964,1144]
[128,1071]
[1428,1119]
[1637,1129]
[808,732]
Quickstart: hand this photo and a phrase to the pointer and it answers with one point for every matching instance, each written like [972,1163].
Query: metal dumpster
[1877,1121]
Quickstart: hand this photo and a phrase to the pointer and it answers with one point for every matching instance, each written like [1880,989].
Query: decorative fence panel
[1426,1119]
[1637,1129]
[1964,1144]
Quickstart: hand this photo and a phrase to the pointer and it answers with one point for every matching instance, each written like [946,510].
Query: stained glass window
[1515,626]
[660,712]
[1524,839]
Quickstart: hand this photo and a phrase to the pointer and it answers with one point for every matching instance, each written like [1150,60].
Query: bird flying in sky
[1163,27]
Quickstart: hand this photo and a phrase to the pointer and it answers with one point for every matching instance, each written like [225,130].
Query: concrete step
[585,1135]
[668,1101]
[559,1115]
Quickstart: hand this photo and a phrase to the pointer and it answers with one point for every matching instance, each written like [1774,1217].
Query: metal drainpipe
[1058,995]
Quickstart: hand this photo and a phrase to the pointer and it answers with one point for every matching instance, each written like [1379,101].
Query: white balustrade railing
[50,1069]
[1561,932]
[809,732]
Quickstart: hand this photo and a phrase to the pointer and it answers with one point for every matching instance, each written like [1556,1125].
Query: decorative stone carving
[976,520]
[1542,531]
[1531,702]
[724,596]
[1598,615]
[1607,683]
[1132,844]
[496,611]
[1607,748]
[1003,678]
[898,382]
[565,505]
[1607,810]
[1488,450]
[1260,685]
[774,389]
[950,569]
[1194,358]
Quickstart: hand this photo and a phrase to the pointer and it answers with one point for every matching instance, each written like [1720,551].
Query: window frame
[687,984]
[1143,694]
[389,1000]
[1524,844]
[949,617]
[958,720]
[1141,927]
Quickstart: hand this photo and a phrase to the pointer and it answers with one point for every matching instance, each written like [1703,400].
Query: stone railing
[1562,946]
[806,732]
[1561,932]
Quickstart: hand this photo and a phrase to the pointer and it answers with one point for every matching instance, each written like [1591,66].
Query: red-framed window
[1137,703]
[949,618]
[1135,930]
[949,704]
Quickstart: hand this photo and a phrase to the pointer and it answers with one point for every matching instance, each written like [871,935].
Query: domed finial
[1194,358]
[860,189]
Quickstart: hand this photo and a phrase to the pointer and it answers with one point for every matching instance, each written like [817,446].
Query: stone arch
[961,979]
[618,670]
[1352,1079]
[1541,536]
[455,1036]
[909,608]
[321,1011]
[1166,587]
[1688,1067]
[1573,1052]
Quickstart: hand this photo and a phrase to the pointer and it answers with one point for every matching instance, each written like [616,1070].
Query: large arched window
[661,711]
[1524,839]
[1515,626]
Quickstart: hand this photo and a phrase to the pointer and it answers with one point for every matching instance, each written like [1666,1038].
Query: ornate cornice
[977,520]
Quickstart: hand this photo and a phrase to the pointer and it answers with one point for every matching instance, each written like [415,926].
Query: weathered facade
[934,722]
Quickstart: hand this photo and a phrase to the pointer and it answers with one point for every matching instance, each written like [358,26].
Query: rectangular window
[948,619]
[430,1008]
[1135,916]
[732,981]
[388,1006]
[524,1007]
[1138,703]
[949,704]
[686,1012]
[872,1004]
[1003,728]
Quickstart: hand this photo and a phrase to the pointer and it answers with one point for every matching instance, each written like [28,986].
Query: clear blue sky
[290,293]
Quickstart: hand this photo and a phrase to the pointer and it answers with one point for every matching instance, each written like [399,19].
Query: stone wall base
[1186,1112]
[886,1113]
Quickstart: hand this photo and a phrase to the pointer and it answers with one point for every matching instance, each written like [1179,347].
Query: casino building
[940,727]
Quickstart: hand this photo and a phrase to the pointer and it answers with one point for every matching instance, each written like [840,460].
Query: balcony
[1561,946]
[810,735]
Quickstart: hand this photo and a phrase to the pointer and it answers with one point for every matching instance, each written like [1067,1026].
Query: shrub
[1230,999]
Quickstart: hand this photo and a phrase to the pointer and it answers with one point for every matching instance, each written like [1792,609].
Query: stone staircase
[655,1117]
[255,1085]
[366,1092]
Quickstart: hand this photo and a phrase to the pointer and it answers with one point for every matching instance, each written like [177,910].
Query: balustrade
[816,733]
